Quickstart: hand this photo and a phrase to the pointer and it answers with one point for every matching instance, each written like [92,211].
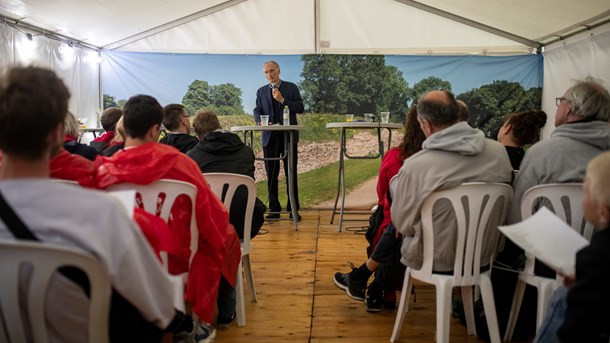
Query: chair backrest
[157,198]
[478,208]
[224,186]
[43,260]
[566,202]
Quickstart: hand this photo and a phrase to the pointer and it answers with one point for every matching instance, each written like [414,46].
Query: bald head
[438,107]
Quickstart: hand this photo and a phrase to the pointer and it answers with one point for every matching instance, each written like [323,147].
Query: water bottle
[286,115]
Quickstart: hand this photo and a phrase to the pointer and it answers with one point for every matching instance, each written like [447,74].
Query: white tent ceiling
[310,26]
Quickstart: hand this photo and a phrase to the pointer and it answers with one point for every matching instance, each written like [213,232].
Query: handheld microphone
[273,85]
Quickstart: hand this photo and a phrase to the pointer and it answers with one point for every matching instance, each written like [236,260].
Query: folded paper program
[548,238]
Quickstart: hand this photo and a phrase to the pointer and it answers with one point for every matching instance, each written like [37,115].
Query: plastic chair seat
[478,208]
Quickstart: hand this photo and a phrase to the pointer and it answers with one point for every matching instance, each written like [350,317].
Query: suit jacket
[265,104]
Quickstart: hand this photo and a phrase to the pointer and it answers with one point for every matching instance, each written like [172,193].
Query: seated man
[176,120]
[223,152]
[453,153]
[33,106]
[144,161]
[109,118]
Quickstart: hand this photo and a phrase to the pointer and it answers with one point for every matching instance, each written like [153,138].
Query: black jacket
[223,152]
[180,141]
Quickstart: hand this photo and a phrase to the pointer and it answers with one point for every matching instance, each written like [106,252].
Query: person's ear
[425,125]
[154,132]
[506,129]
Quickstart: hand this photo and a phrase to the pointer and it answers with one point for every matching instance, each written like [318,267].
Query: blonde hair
[71,125]
[120,132]
[598,175]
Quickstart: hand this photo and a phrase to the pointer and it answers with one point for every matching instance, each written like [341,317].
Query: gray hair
[590,99]
[274,63]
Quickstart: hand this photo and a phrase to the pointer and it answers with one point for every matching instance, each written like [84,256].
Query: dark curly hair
[526,126]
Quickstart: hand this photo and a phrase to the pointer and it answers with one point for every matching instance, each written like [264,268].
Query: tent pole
[471,23]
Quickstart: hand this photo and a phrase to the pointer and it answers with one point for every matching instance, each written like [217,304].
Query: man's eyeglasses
[559,100]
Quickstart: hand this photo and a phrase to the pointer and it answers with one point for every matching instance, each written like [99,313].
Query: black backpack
[371,231]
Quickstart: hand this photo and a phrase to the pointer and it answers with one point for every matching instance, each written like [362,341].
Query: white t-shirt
[97,223]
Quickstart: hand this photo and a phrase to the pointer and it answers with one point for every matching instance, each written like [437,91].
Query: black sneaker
[373,303]
[374,297]
[272,216]
[354,289]
[225,323]
[298,216]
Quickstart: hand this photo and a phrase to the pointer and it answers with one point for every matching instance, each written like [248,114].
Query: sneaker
[205,333]
[225,323]
[354,289]
[298,216]
[374,296]
[373,303]
[272,216]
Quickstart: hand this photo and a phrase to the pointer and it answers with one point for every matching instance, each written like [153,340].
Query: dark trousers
[275,148]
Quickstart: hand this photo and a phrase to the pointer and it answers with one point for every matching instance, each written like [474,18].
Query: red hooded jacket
[219,249]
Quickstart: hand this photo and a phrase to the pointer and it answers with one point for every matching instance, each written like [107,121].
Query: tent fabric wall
[76,66]
[574,60]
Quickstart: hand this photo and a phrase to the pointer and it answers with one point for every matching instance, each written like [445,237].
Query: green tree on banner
[224,99]
[109,101]
[430,83]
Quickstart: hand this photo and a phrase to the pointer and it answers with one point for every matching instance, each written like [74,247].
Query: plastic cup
[385,117]
[349,118]
[369,117]
[264,120]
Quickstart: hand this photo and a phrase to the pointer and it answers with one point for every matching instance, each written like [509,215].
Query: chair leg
[403,306]
[443,311]
[545,291]
[514,310]
[245,260]
[240,306]
[489,305]
[469,309]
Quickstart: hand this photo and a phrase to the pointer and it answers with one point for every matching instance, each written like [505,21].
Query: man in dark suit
[271,100]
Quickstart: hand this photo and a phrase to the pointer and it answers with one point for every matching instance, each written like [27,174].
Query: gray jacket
[561,158]
[450,157]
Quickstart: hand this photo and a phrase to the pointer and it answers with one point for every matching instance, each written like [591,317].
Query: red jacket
[390,165]
[218,247]
[67,166]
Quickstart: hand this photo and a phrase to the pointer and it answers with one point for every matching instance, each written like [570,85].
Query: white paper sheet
[548,238]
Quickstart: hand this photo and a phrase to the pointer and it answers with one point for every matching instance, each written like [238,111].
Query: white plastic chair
[45,259]
[158,199]
[218,182]
[566,200]
[479,208]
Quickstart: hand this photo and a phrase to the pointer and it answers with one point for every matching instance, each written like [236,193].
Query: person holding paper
[579,312]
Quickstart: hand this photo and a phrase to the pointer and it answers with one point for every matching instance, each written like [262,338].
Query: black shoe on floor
[298,216]
[354,289]
[272,216]
[374,297]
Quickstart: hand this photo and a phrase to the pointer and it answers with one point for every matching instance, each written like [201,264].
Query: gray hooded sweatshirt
[561,158]
[449,157]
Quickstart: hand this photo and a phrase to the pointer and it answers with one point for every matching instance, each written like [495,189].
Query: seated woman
[118,141]
[385,246]
[71,143]
[520,129]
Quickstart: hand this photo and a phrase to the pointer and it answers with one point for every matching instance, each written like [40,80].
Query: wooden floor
[298,302]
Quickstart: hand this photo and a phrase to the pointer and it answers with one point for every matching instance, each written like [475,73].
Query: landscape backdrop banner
[492,86]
